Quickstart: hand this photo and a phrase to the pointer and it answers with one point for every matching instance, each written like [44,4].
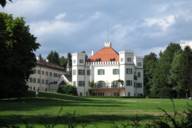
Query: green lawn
[47,107]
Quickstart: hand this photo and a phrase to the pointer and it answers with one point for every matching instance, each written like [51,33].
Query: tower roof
[105,54]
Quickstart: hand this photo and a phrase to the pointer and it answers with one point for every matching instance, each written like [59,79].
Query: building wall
[44,79]
[127,61]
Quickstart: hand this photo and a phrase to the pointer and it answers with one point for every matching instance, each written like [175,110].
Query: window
[34,71]
[138,85]
[74,72]
[42,81]
[81,83]
[139,74]
[42,72]
[121,59]
[30,80]
[38,80]
[81,61]
[129,59]
[50,73]
[101,72]
[129,83]
[139,64]
[129,71]
[39,72]
[88,72]
[74,61]
[116,94]
[115,71]
[46,73]
[46,81]
[55,74]
[34,80]
[81,72]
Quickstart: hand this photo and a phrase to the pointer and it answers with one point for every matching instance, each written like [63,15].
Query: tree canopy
[170,75]
[3,2]
[17,58]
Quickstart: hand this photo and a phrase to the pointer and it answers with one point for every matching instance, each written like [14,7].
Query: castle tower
[79,73]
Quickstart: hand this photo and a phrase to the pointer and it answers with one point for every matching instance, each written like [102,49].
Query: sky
[142,26]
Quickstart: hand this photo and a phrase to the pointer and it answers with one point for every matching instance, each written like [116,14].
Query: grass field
[91,110]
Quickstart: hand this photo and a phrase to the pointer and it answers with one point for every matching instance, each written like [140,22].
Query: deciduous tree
[17,58]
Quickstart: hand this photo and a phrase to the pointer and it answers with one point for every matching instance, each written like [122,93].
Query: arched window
[100,84]
[115,84]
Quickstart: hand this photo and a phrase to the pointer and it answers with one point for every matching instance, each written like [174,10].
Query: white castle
[108,73]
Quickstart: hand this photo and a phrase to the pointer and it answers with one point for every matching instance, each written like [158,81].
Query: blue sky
[142,26]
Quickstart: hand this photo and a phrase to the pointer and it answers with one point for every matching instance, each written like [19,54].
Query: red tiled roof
[105,54]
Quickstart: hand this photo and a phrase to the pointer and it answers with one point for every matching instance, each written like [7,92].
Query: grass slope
[48,106]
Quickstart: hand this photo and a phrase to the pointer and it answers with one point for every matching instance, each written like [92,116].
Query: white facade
[45,77]
[122,77]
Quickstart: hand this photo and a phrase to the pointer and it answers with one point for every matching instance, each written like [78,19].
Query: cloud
[185,43]
[53,27]
[27,8]
[60,16]
[72,26]
[162,23]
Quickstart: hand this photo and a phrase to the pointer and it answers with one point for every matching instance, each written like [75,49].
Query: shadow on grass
[35,103]
[64,119]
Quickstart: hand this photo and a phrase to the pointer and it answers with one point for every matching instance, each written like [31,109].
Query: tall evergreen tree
[53,57]
[178,73]
[188,55]
[150,62]
[161,80]
[63,62]
[69,59]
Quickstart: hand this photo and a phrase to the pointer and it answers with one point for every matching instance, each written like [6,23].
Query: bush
[67,89]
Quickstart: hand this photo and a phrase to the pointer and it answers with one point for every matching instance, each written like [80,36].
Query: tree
[63,62]
[67,89]
[188,55]
[40,57]
[161,77]
[53,57]
[178,73]
[150,62]
[69,59]
[3,2]
[17,58]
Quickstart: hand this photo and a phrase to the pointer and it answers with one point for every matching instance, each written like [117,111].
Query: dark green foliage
[17,56]
[67,89]
[63,62]
[3,2]
[53,57]
[69,59]
[161,77]
[150,62]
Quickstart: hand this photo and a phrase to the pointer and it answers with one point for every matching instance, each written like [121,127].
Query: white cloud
[163,23]
[155,50]
[60,16]
[53,27]
[27,8]
[185,43]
